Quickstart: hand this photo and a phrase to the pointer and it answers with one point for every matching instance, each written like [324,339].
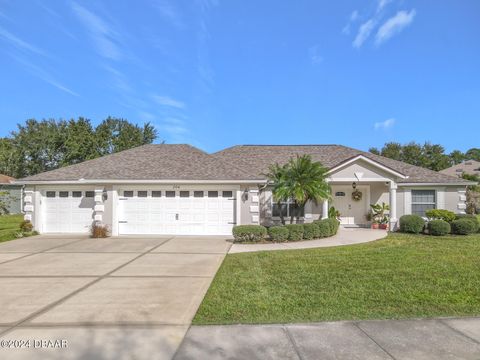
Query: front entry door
[352,212]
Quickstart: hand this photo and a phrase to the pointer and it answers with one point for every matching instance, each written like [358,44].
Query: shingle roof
[471,167]
[5,179]
[149,162]
[255,159]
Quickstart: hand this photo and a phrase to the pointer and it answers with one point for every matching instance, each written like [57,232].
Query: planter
[384,226]
[375,226]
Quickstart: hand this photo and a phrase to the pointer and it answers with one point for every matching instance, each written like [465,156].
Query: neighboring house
[11,193]
[179,189]
[470,167]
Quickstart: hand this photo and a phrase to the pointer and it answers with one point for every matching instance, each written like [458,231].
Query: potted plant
[375,224]
[379,218]
[384,223]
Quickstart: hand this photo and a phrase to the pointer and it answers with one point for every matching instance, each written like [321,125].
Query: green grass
[9,226]
[402,276]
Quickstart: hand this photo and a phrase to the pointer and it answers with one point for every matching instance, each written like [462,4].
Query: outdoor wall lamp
[245,195]
[354,185]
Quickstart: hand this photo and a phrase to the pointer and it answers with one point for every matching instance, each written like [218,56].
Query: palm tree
[300,180]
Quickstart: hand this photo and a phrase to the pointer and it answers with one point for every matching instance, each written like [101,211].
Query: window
[287,209]
[142,193]
[63,194]
[339,193]
[213,194]
[89,193]
[50,194]
[128,193]
[156,194]
[76,194]
[170,193]
[423,200]
[227,194]
[198,194]
[184,194]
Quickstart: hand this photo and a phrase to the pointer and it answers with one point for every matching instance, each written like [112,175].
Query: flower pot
[384,226]
[375,226]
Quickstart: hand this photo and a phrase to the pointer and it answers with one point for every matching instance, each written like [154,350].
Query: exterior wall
[379,192]
[108,204]
[14,197]
[361,170]
[250,207]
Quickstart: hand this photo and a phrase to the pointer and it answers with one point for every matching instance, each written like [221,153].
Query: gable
[361,170]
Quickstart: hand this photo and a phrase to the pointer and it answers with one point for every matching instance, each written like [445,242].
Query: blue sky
[219,73]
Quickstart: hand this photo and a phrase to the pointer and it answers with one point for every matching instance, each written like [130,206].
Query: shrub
[334,224]
[411,224]
[254,233]
[441,214]
[463,227]
[327,227]
[26,226]
[99,231]
[295,232]
[438,227]
[310,231]
[469,217]
[278,233]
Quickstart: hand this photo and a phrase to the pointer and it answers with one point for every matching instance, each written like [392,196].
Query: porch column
[393,206]
[325,209]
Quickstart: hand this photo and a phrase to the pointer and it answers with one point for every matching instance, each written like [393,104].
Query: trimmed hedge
[441,214]
[295,232]
[463,227]
[253,233]
[438,227]
[334,225]
[278,233]
[323,228]
[310,231]
[411,224]
[469,217]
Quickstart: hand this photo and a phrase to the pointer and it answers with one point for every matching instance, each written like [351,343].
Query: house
[179,189]
[11,193]
[470,167]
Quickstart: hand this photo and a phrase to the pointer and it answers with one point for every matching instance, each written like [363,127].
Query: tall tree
[456,156]
[473,154]
[392,150]
[8,157]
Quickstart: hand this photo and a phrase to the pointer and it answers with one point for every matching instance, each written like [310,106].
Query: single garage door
[68,211]
[176,212]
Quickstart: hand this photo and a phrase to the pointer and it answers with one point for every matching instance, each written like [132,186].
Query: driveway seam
[294,343]
[458,331]
[77,291]
[375,341]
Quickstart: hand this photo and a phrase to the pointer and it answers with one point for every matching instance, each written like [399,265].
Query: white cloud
[354,15]
[168,101]
[353,18]
[315,57]
[104,37]
[384,125]
[382,4]
[394,25]
[363,33]
[19,43]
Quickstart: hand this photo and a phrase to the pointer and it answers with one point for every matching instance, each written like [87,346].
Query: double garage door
[181,212]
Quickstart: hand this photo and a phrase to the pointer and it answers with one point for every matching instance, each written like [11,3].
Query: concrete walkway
[363,340]
[345,236]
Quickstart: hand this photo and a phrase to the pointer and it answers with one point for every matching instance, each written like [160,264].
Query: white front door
[67,211]
[352,212]
[176,212]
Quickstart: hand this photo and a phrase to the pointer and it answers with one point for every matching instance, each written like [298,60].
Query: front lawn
[402,276]
[9,226]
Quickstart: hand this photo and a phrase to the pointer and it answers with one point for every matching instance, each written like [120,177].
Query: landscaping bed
[401,276]
[10,228]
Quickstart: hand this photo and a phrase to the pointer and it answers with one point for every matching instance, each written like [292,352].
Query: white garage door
[68,211]
[180,212]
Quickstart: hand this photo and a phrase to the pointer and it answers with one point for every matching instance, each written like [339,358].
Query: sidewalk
[448,338]
[345,236]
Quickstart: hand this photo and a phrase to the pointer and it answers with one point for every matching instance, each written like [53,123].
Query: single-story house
[179,189]
[11,194]
[470,167]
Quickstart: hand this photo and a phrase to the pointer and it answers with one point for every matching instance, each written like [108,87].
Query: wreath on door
[357,195]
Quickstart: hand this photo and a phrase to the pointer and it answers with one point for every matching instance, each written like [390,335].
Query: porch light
[245,195]
[354,185]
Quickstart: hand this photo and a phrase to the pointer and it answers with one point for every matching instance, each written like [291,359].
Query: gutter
[467,183]
[103,181]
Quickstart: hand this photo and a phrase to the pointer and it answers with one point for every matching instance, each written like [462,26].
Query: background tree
[473,154]
[456,157]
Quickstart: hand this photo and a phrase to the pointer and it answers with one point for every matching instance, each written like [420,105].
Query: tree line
[48,144]
[430,156]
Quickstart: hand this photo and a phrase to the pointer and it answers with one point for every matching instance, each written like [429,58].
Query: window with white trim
[287,208]
[423,200]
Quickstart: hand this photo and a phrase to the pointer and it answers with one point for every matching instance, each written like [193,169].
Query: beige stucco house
[179,189]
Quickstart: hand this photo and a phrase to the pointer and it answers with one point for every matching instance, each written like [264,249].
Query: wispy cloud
[384,125]
[168,101]
[381,4]
[19,43]
[119,80]
[170,13]
[314,54]
[103,35]
[44,75]
[394,25]
[364,32]
[353,17]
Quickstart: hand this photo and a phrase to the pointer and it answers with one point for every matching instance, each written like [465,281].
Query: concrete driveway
[115,298]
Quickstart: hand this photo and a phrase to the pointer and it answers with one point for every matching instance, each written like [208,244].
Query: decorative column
[28,206]
[254,205]
[99,207]
[325,209]
[393,205]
